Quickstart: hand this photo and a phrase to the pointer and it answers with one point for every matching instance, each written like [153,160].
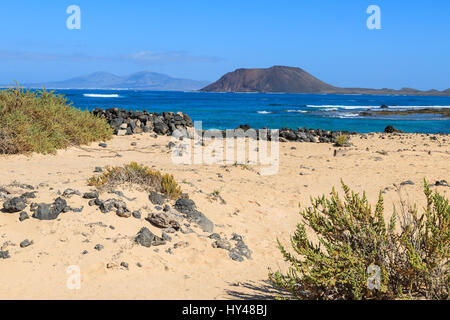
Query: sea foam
[97,95]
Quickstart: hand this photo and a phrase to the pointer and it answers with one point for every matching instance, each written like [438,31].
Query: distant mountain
[282,79]
[140,80]
[274,79]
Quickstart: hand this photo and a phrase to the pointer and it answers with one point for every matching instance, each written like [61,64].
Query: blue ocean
[228,110]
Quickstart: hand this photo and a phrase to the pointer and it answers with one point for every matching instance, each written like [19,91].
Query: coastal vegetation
[355,254]
[42,121]
[136,174]
[342,140]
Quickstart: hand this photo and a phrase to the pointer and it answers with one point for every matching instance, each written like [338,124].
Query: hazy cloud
[143,57]
[168,57]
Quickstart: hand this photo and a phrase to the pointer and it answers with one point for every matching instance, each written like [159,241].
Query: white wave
[347,115]
[263,112]
[299,111]
[97,95]
[374,107]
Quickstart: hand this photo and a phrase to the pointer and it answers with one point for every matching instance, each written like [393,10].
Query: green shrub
[342,140]
[41,121]
[133,173]
[351,239]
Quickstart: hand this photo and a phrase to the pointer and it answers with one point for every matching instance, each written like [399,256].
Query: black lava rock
[15,204]
[90,195]
[23,216]
[45,211]
[188,208]
[390,129]
[136,214]
[145,237]
[156,198]
[26,243]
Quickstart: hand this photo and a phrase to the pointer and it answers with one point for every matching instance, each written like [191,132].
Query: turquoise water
[228,110]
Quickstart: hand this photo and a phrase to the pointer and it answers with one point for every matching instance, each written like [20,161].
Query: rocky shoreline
[126,122]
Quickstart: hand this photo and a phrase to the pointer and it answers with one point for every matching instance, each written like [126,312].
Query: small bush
[41,121]
[353,240]
[133,173]
[342,140]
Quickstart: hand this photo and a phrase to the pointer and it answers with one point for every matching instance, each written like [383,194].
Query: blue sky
[202,40]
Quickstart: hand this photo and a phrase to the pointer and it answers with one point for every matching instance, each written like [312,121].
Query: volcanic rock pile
[126,122]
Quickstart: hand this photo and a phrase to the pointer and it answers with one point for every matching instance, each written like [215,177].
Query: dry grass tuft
[133,173]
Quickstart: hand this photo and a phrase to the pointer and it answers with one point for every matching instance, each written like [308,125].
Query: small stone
[170,145]
[29,195]
[4,254]
[170,230]
[136,214]
[123,213]
[77,210]
[98,169]
[145,237]
[157,241]
[70,192]
[166,237]
[235,255]
[181,244]
[139,265]
[185,230]
[221,244]
[133,144]
[98,247]
[236,237]
[162,220]
[25,243]
[214,236]
[15,204]
[84,252]
[23,216]
[103,145]
[90,195]
[124,264]
[408,182]
[442,183]
[156,198]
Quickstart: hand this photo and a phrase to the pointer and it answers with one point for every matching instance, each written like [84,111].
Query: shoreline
[128,122]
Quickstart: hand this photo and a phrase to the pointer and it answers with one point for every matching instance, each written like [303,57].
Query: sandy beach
[236,198]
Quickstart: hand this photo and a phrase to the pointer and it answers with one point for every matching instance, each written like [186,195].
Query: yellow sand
[260,208]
